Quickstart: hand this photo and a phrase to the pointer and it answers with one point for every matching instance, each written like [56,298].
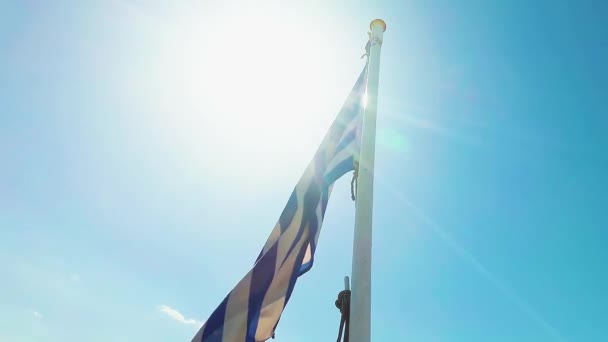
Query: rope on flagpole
[343,304]
[353,182]
[367,46]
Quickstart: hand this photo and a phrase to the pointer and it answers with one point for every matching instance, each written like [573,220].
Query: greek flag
[251,311]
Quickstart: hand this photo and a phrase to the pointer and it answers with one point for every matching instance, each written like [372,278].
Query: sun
[262,86]
[243,88]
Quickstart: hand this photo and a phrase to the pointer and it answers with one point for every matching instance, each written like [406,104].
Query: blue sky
[149,147]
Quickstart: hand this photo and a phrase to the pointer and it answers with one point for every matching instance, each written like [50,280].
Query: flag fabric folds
[251,311]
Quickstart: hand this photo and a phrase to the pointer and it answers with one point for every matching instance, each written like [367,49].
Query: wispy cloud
[176,315]
[37,314]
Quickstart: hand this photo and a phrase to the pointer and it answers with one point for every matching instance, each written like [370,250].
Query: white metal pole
[360,303]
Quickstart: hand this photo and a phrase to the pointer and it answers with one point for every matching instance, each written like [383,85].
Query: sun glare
[262,86]
[244,85]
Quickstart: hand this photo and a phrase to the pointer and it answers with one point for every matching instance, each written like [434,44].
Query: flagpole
[360,303]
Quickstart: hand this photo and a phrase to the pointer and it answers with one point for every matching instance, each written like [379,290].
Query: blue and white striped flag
[251,311]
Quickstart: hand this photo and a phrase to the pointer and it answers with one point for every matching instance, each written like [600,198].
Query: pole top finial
[378,22]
